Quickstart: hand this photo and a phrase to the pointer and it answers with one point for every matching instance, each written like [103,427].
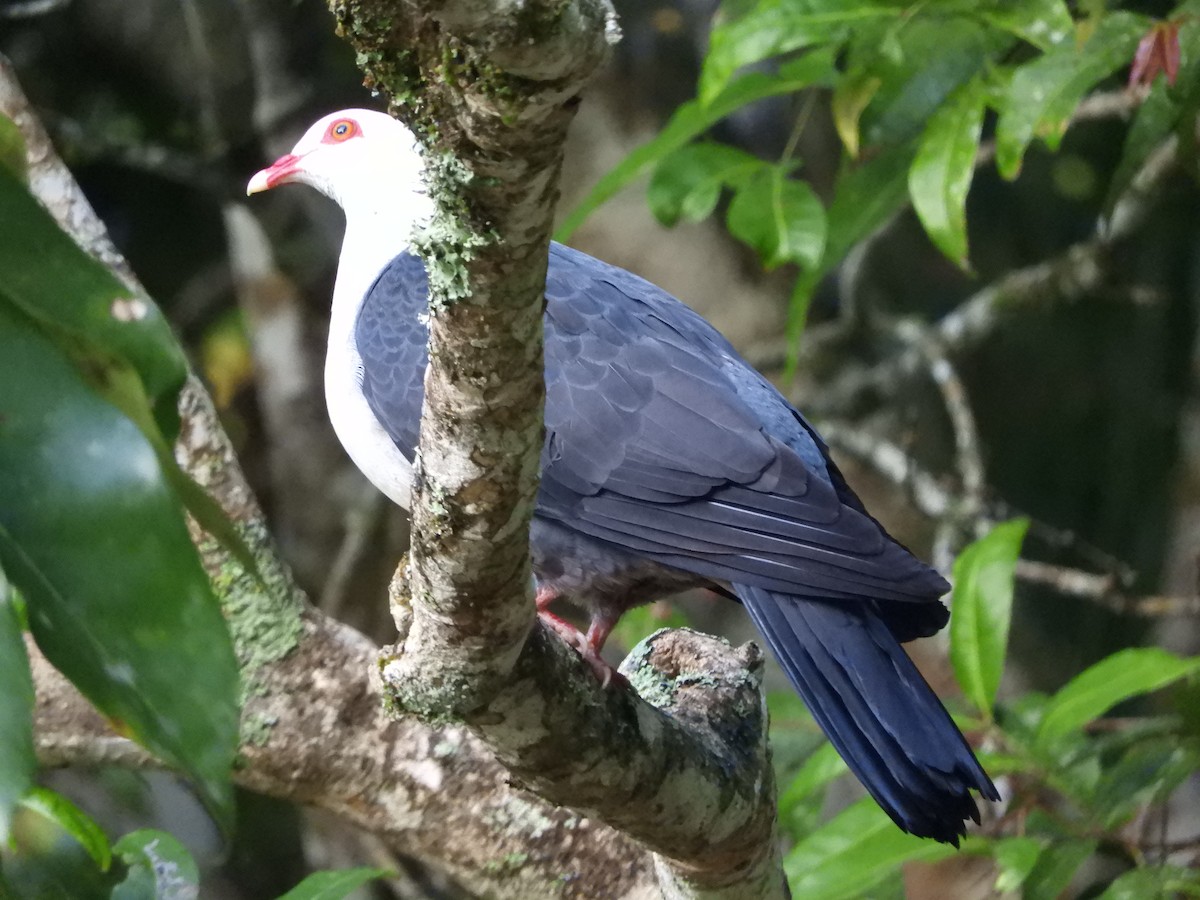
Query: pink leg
[588,646]
[599,628]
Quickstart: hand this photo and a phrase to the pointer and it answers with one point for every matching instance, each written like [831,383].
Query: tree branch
[938,501]
[492,88]
[688,773]
[314,727]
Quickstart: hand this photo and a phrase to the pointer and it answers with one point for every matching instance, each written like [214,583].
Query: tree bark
[492,87]
[314,726]
[684,767]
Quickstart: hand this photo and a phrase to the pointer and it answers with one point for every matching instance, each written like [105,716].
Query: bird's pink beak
[278,172]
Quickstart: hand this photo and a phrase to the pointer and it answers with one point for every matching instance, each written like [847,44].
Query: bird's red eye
[341,130]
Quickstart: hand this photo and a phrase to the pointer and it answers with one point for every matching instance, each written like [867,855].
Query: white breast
[368,247]
[356,426]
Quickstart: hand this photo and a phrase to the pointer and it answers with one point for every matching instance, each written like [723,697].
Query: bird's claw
[605,673]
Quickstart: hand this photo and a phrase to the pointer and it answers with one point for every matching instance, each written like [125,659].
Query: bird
[668,463]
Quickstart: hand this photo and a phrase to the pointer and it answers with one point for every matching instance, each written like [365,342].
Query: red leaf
[1158,51]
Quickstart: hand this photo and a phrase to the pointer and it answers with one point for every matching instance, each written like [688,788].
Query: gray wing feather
[661,440]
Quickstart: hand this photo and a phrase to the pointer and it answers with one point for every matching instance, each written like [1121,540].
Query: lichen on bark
[491,88]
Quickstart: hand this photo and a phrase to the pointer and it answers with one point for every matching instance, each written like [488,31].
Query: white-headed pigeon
[668,463]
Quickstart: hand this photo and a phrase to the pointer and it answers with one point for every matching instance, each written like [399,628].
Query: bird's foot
[605,674]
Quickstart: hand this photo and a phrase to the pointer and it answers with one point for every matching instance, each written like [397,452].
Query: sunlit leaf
[17,760]
[93,535]
[854,852]
[1043,23]
[333,885]
[942,170]
[74,821]
[773,28]
[981,608]
[1043,93]
[160,868]
[780,217]
[1125,674]
[693,119]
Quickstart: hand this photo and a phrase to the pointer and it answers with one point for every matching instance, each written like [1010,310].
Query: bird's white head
[365,160]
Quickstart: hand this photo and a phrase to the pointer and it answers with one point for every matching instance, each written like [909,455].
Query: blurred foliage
[92,506]
[914,89]
[914,92]
[1077,786]
[909,85]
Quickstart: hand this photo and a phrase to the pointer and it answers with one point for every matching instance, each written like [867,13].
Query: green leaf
[160,868]
[1015,858]
[1125,674]
[694,118]
[941,172]
[1164,110]
[938,56]
[1055,868]
[54,282]
[1158,881]
[121,344]
[775,27]
[642,621]
[1143,774]
[865,196]
[779,217]
[1043,23]
[18,764]
[822,767]
[333,885]
[981,608]
[849,100]
[74,821]
[1043,93]
[93,536]
[800,802]
[12,150]
[687,184]
[854,852]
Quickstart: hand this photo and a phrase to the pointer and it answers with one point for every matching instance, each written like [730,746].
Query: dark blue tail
[877,710]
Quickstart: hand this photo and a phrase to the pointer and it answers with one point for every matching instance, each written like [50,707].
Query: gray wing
[392,341]
[663,441]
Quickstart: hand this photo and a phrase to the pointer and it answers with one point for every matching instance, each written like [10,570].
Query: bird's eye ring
[341,130]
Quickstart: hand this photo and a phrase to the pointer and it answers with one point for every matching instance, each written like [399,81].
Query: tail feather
[877,710]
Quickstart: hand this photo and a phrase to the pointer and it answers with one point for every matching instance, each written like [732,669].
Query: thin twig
[932,498]
[1104,590]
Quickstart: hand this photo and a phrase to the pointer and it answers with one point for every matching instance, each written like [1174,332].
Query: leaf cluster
[1076,784]
[96,560]
[910,87]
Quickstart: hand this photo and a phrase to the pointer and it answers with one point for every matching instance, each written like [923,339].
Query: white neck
[373,238]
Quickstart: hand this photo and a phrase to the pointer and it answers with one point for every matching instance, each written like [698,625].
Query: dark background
[1087,411]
